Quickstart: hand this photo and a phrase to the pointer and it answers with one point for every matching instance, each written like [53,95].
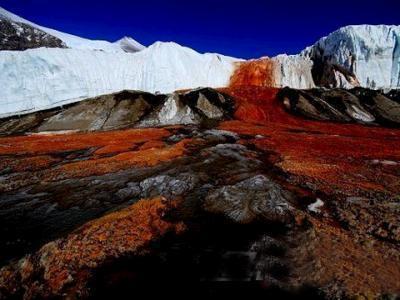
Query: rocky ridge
[126,109]
[356,105]
[19,36]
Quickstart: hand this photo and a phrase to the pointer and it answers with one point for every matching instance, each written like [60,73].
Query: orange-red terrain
[260,72]
[333,156]
[244,196]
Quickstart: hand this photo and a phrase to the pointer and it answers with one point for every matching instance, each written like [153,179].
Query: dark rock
[328,74]
[193,107]
[394,95]
[356,105]
[208,109]
[210,103]
[168,186]
[101,113]
[311,106]
[125,109]
[19,36]
[129,192]
[348,104]
[251,199]
[386,109]
[380,219]
[172,111]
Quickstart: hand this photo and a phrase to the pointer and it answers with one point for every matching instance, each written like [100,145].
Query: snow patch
[316,206]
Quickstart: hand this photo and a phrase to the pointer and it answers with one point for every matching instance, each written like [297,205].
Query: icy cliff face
[279,71]
[41,78]
[364,54]
[75,42]
[293,71]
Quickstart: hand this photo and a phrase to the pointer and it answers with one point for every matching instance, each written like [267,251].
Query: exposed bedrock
[355,105]
[19,36]
[126,109]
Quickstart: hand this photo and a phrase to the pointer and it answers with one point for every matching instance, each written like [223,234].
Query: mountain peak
[126,44]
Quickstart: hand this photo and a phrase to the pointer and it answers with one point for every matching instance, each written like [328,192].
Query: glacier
[41,78]
[369,52]
[293,71]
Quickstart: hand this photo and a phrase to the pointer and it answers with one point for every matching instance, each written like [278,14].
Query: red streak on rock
[41,144]
[122,161]
[59,157]
[35,163]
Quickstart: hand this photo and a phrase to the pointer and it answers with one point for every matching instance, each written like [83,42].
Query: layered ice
[370,52]
[41,78]
[293,71]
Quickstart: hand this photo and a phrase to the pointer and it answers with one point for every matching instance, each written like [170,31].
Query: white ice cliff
[370,52]
[41,78]
[293,71]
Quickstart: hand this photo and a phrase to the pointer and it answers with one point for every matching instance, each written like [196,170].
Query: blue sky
[244,29]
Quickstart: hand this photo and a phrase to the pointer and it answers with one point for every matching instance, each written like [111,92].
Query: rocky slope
[126,109]
[262,202]
[204,106]
[19,36]
[355,105]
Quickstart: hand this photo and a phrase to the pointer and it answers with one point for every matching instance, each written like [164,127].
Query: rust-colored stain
[75,155]
[258,72]
[361,267]
[153,144]
[67,262]
[25,164]
[332,156]
[141,158]
[41,144]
